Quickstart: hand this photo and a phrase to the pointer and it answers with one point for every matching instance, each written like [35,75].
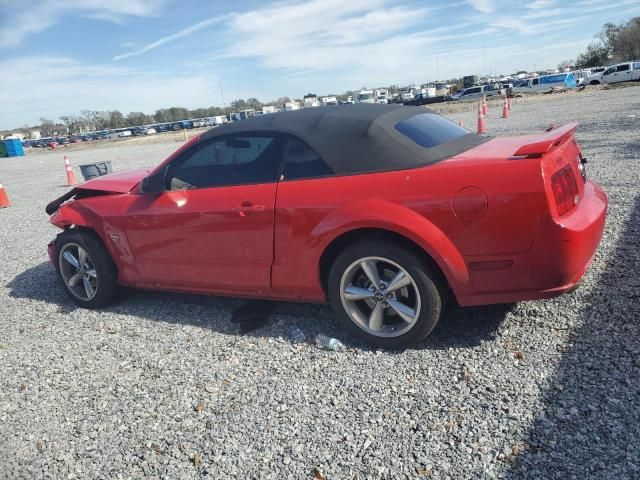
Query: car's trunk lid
[561,161]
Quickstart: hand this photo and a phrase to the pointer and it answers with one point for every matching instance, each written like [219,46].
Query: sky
[58,57]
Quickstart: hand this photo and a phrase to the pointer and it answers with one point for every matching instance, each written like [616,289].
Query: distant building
[311,101]
[14,135]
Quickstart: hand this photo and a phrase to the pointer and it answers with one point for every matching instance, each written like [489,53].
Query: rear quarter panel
[414,203]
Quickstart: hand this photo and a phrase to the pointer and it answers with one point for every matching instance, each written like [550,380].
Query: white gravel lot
[164,385]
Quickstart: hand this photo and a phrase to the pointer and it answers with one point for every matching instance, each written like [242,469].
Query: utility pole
[484,62]
[224,105]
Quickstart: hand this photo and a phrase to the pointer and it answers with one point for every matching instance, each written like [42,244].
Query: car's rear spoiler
[546,141]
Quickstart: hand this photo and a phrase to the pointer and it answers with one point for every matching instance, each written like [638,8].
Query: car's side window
[301,161]
[240,159]
[623,68]
[535,81]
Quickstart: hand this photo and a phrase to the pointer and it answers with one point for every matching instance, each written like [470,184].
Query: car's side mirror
[153,184]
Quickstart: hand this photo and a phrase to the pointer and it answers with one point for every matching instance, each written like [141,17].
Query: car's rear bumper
[559,256]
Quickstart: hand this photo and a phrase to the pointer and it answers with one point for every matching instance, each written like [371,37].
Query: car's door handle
[248,208]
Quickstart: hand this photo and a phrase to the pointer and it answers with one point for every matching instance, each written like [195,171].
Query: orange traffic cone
[484,105]
[71,177]
[505,109]
[4,199]
[482,128]
[460,123]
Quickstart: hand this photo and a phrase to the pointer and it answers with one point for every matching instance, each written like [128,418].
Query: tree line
[613,44]
[96,120]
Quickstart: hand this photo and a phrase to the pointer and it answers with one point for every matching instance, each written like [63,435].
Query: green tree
[254,103]
[135,119]
[595,55]
[238,105]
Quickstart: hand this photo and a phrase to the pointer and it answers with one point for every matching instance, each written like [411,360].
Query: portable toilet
[13,147]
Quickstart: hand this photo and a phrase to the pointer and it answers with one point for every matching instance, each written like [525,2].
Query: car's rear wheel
[384,294]
[594,82]
[86,269]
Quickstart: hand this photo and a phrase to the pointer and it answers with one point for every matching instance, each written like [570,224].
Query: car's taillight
[565,190]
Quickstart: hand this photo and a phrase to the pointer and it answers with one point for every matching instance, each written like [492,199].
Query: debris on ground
[253,315]
[329,343]
[296,334]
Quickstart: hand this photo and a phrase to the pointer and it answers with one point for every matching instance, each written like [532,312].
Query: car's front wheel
[385,294]
[85,268]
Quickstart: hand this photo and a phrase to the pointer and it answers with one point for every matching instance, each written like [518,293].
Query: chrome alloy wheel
[380,296]
[78,271]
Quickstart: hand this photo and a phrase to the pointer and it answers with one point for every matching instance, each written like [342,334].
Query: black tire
[594,82]
[432,291]
[106,274]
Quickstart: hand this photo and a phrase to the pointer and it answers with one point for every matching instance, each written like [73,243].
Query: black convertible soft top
[354,138]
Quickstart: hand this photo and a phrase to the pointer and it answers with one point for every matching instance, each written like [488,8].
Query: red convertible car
[386,211]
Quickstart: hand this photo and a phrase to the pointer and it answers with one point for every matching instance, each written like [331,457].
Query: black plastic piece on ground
[252,315]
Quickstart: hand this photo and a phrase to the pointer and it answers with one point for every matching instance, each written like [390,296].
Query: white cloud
[540,4]
[169,38]
[49,87]
[321,34]
[22,18]
[484,6]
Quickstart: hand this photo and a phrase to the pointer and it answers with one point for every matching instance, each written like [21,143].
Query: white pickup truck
[545,83]
[620,72]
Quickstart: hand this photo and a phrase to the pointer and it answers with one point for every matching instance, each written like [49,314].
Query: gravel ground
[165,386]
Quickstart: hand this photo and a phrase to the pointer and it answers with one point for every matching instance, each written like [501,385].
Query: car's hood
[121,182]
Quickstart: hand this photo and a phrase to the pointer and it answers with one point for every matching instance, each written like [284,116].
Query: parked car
[182,124]
[474,93]
[621,72]
[545,83]
[424,99]
[388,212]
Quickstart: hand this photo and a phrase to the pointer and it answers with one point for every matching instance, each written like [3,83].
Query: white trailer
[365,96]
[382,95]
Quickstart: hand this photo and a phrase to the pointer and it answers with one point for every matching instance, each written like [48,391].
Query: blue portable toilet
[14,147]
